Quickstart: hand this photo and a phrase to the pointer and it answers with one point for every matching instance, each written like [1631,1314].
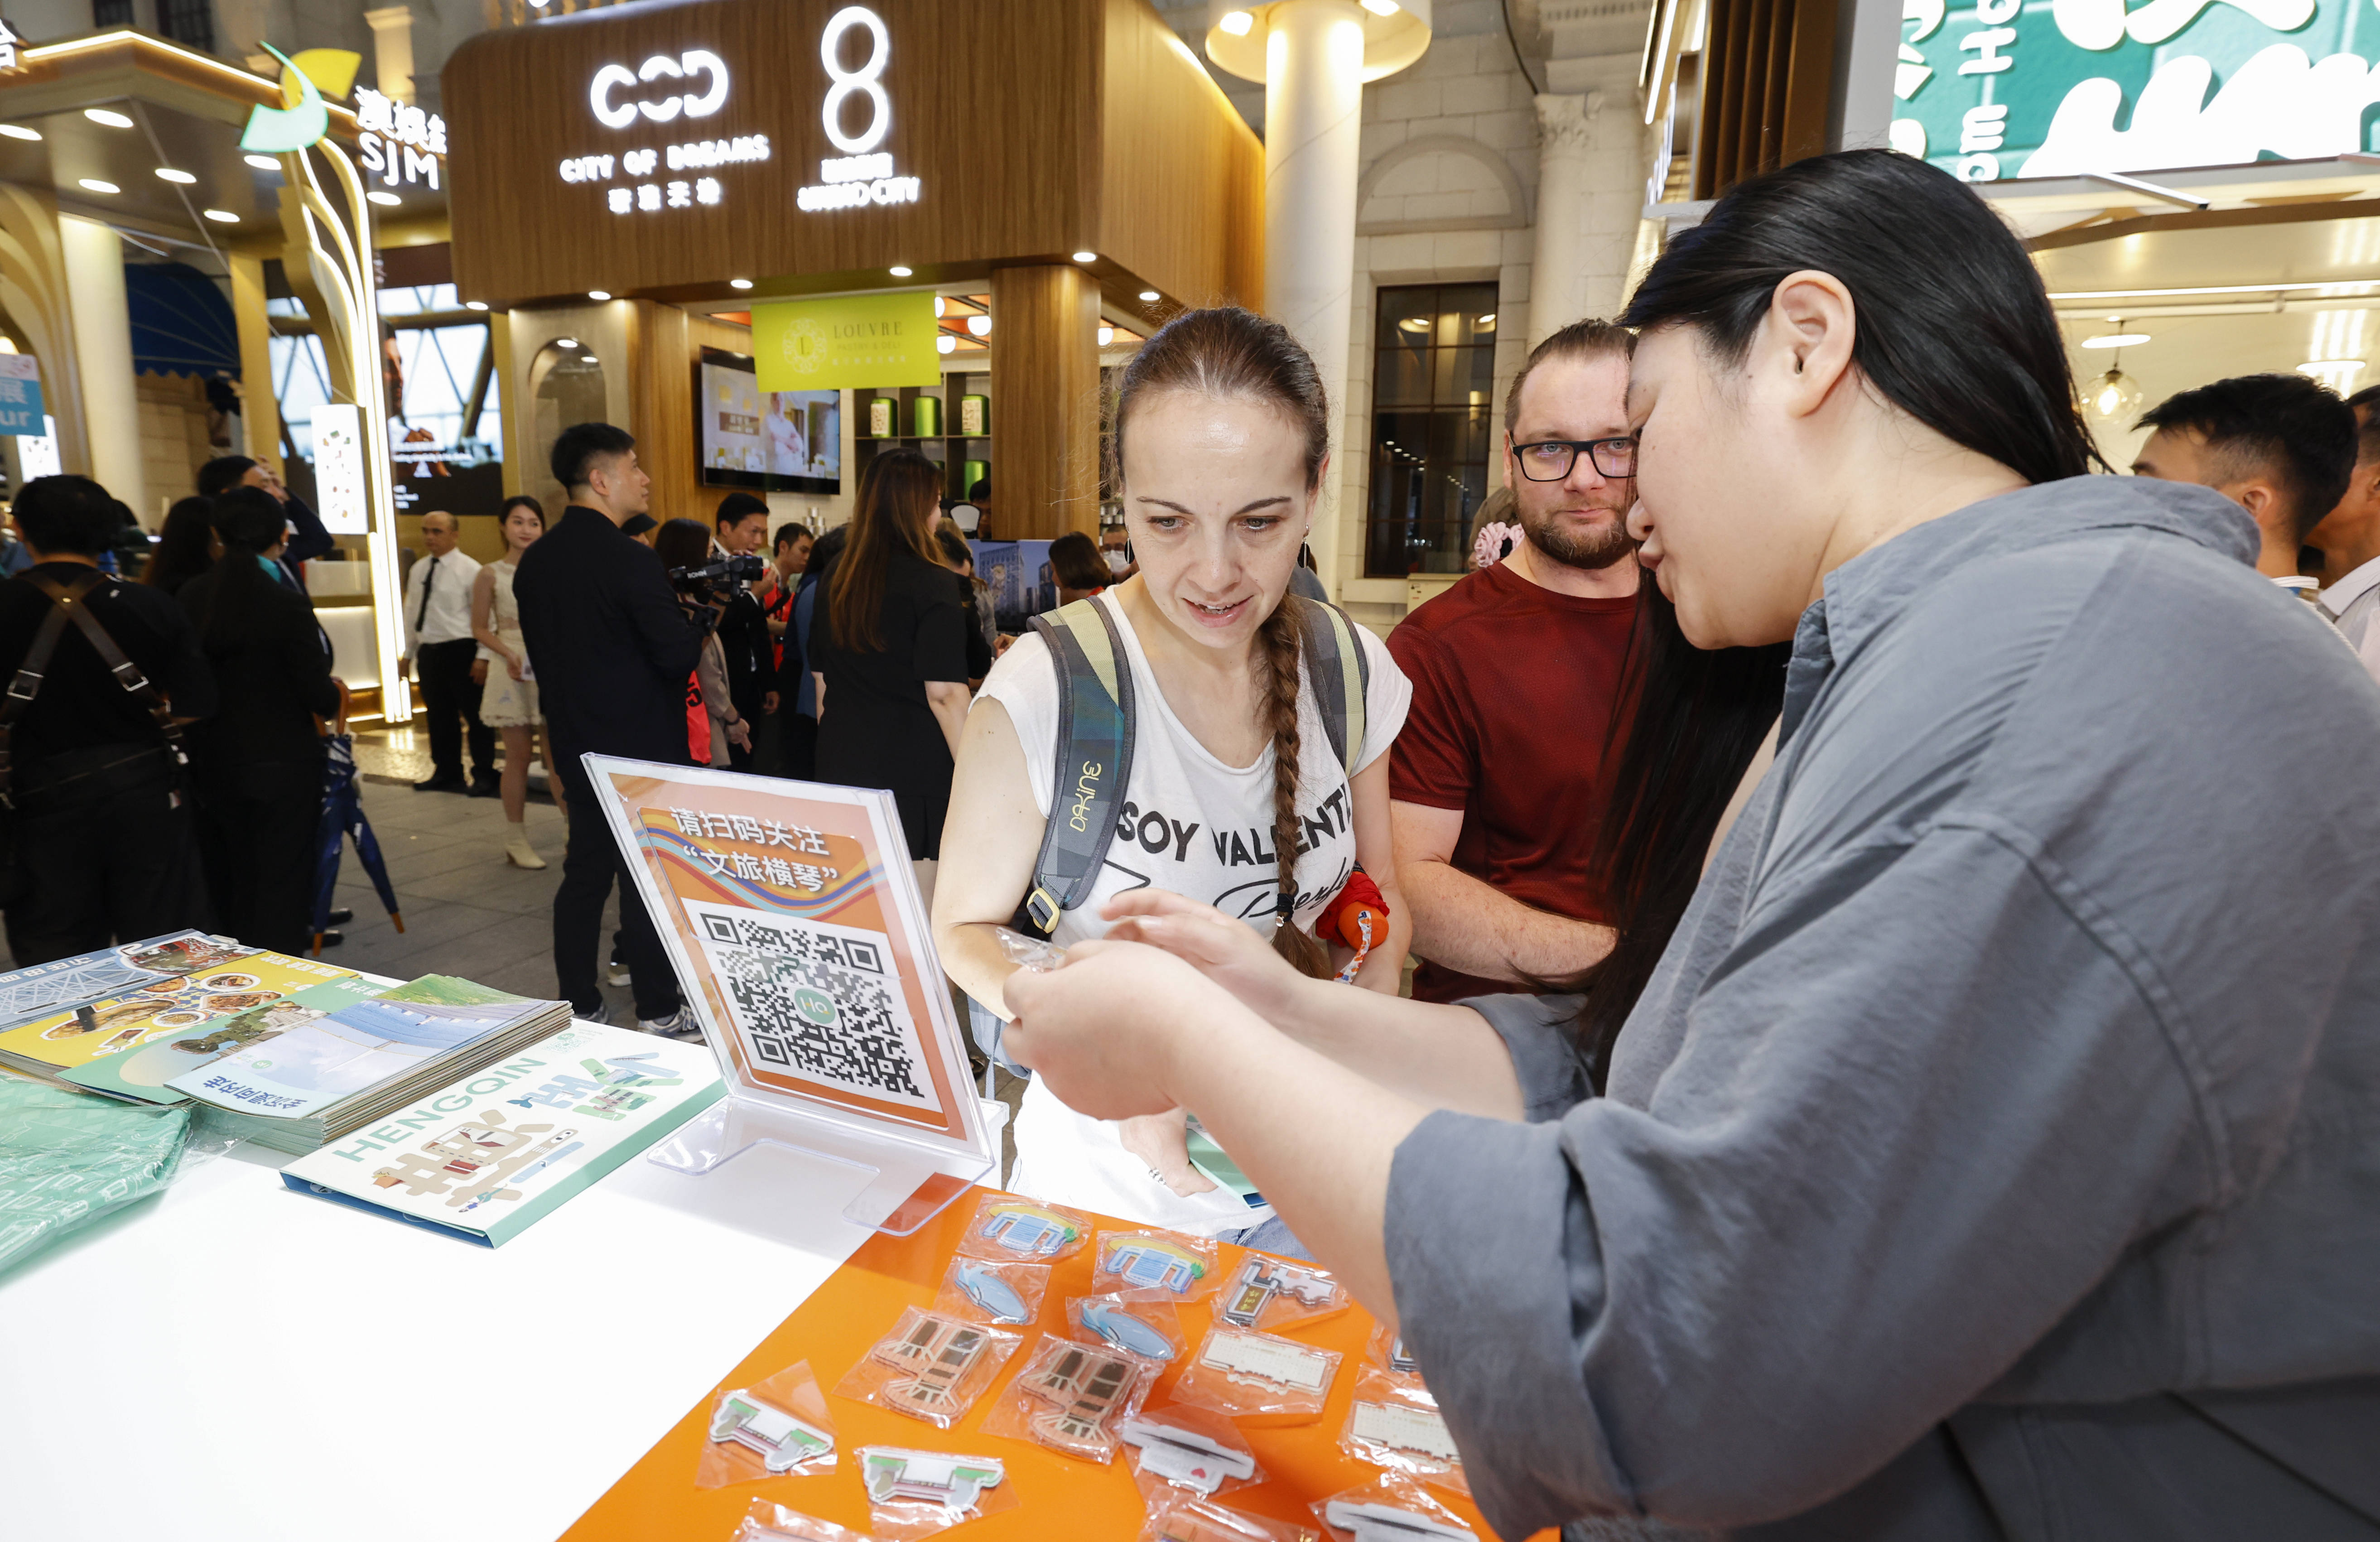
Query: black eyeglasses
[1549,460]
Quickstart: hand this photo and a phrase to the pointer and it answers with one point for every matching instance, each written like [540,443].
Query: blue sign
[20,395]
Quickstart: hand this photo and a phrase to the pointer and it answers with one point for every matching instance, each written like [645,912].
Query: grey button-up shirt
[1995,1152]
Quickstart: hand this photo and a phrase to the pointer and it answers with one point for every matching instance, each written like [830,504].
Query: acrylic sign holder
[714,891]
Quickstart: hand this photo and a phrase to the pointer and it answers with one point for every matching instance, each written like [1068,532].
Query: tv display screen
[764,440]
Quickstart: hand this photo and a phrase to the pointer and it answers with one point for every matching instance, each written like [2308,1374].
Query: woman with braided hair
[1221,436]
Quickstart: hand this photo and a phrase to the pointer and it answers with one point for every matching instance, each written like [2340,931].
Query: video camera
[719,580]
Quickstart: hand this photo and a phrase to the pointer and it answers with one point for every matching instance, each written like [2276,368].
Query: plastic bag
[1184,1449]
[1071,1397]
[1270,1293]
[1386,1349]
[1394,1423]
[772,1429]
[1007,1229]
[768,1520]
[1149,1259]
[1141,1323]
[67,1159]
[916,1493]
[1188,1520]
[1009,1295]
[931,1366]
[1239,1372]
[1393,1510]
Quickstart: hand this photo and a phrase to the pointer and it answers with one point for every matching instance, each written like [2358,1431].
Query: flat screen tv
[764,440]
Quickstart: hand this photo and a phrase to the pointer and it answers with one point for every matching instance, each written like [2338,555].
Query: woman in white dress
[508,697]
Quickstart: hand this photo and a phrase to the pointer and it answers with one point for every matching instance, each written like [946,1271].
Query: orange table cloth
[657,1500]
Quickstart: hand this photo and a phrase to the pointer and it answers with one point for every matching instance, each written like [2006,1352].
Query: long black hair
[1952,325]
[185,545]
[250,522]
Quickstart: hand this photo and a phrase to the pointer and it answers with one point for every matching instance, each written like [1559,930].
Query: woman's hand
[1163,1140]
[513,663]
[739,733]
[1227,952]
[479,672]
[1103,1031]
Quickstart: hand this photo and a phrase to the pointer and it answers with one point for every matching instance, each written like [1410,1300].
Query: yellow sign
[852,342]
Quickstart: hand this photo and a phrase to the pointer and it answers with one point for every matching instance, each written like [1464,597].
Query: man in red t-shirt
[1495,784]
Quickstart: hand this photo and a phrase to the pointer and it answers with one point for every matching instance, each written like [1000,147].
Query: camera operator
[716,726]
[750,656]
[611,648]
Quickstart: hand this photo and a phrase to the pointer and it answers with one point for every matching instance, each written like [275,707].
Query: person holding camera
[611,648]
[717,729]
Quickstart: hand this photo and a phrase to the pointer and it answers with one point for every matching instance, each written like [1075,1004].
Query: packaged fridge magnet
[1007,1229]
[1184,1449]
[768,1430]
[1188,1520]
[1387,1350]
[1266,1292]
[1393,1510]
[913,1494]
[1139,1323]
[931,1366]
[1009,1295]
[1239,1372]
[768,1520]
[1182,1267]
[1071,1397]
[1394,1423]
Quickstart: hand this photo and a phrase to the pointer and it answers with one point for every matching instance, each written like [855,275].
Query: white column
[1313,100]
[392,50]
[102,343]
[1558,271]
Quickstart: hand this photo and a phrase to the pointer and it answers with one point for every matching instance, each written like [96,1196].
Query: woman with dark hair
[887,643]
[1990,1153]
[974,598]
[712,722]
[186,545]
[508,691]
[258,760]
[1222,438]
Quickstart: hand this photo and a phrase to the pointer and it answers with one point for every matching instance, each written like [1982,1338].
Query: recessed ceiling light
[1238,23]
[262,163]
[2117,340]
[598,294]
[1107,335]
[1380,7]
[1148,296]
[222,216]
[946,343]
[739,284]
[93,185]
[979,326]
[19,131]
[102,115]
[169,175]
[386,201]
[1086,257]
[1486,322]
[565,343]
[475,305]
[1414,323]
[587,358]
[897,271]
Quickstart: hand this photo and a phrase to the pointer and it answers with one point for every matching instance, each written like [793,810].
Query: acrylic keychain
[772,1429]
[1239,1372]
[1180,1449]
[913,1494]
[1394,1423]
[1150,1259]
[1358,917]
[1270,1293]
[931,1366]
[1007,1229]
[1187,1519]
[1009,1295]
[1071,1397]
[1028,952]
[768,1520]
[1386,1349]
[1393,1510]
[1138,1322]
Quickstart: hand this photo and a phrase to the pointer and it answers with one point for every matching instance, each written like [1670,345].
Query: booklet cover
[139,1073]
[487,1157]
[39,990]
[164,1007]
[307,1068]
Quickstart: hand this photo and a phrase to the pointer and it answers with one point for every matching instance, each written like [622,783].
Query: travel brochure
[39,990]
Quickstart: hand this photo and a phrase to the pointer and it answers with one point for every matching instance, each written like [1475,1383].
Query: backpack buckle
[1043,907]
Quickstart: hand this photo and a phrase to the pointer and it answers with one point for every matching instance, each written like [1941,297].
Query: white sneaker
[616,972]
[680,1024]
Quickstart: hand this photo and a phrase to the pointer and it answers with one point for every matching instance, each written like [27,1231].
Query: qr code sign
[817,1001]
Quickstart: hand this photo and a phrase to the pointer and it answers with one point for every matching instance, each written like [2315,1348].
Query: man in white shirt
[2280,447]
[2349,538]
[438,651]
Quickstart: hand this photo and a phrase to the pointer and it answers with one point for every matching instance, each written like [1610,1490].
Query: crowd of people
[1892,1052]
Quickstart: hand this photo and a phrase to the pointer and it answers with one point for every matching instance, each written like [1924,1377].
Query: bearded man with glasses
[1495,796]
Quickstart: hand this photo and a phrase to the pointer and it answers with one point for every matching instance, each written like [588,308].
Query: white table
[231,1360]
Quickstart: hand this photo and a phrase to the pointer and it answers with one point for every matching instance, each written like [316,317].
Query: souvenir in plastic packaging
[1009,1295]
[1183,1519]
[1270,1293]
[772,1429]
[1239,1372]
[1393,1510]
[1071,1397]
[1394,1423]
[1184,1267]
[1007,1229]
[1028,952]
[931,1366]
[916,1493]
[768,1520]
[1138,1322]
[1387,1350]
[1182,1449]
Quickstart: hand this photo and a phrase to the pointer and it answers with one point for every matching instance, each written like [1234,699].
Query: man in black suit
[611,648]
[741,526]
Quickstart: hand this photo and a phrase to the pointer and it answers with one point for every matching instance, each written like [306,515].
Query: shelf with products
[950,423]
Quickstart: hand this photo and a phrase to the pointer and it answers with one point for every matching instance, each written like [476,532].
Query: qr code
[815,1001]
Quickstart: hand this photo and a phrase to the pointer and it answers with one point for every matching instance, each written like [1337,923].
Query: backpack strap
[1340,671]
[1094,758]
[21,691]
[69,601]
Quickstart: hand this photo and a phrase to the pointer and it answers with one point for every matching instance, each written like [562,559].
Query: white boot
[519,852]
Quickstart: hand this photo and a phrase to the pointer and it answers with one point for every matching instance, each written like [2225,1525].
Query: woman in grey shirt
[1996,1150]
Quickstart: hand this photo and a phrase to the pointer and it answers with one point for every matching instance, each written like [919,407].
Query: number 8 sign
[849,82]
